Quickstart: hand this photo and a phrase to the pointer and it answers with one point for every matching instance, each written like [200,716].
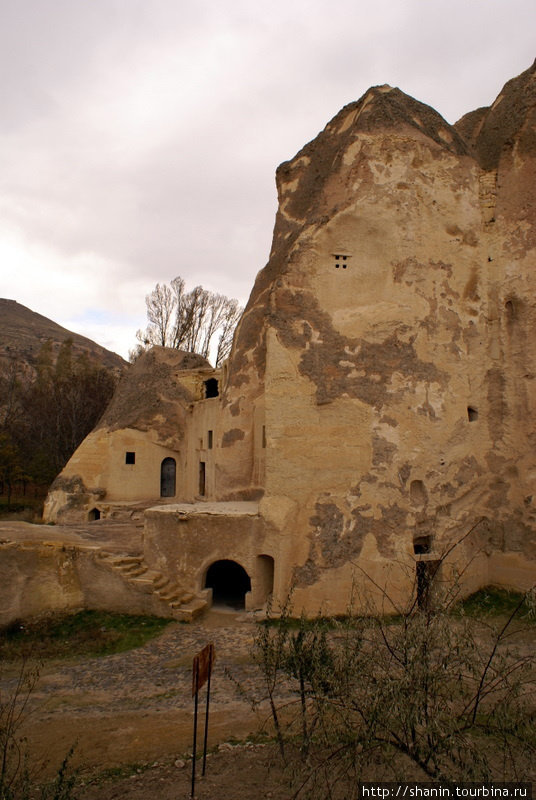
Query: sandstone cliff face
[379,399]
[390,335]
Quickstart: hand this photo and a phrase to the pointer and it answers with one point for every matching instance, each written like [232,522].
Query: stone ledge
[187,510]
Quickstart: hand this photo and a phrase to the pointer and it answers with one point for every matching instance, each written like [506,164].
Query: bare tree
[160,305]
[189,320]
[228,321]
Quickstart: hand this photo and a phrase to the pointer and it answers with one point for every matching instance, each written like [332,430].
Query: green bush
[493,601]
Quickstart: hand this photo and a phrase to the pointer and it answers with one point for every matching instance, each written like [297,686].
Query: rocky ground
[130,716]
[236,772]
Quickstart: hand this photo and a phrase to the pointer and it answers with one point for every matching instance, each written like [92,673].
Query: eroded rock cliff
[379,399]
[391,333]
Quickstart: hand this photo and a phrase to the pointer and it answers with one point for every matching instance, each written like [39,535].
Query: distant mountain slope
[23,332]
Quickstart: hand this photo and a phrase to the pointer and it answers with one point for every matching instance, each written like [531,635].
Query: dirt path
[133,712]
[245,772]
[136,707]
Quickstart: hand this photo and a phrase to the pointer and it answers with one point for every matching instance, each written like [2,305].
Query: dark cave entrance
[229,583]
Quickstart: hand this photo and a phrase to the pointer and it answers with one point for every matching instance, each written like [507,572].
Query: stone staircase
[169,599]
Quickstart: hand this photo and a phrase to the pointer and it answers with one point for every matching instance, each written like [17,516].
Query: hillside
[54,387]
[23,332]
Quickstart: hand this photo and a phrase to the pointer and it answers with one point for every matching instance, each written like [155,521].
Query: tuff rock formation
[378,404]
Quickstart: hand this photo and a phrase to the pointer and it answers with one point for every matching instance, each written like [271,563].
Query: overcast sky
[139,138]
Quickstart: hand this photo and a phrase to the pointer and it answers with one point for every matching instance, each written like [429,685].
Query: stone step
[124,559]
[189,611]
[121,561]
[145,584]
[183,605]
[133,570]
[104,555]
[161,582]
[171,595]
[183,599]
[172,589]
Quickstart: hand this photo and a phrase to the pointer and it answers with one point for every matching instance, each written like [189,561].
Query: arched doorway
[94,514]
[229,583]
[168,473]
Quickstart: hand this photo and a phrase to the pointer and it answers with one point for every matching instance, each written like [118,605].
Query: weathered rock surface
[391,333]
[379,399]
[120,461]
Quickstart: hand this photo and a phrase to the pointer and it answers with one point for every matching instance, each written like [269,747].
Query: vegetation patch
[442,692]
[300,623]
[86,633]
[496,602]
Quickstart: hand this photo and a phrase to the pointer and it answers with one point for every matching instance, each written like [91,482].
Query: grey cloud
[191,190]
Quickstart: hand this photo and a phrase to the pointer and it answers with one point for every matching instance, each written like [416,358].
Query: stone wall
[184,541]
[37,578]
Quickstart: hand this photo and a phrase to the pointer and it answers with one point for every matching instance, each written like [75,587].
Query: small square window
[340,260]
[422,545]
[130,457]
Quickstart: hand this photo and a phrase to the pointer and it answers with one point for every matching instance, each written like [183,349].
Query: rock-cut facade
[376,417]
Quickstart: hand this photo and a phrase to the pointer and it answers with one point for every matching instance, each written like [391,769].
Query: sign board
[202,667]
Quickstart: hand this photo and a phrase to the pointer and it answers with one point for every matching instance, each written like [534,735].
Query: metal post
[206,715]
[195,725]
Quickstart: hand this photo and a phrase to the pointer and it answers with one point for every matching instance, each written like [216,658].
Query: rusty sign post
[201,674]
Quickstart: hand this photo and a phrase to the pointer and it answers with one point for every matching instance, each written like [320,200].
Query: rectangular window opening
[422,545]
[210,440]
[211,388]
[202,476]
[130,457]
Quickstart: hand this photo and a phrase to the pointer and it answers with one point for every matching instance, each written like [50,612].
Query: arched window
[168,472]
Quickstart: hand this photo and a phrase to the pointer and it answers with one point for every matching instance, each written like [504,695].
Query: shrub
[429,695]
[17,782]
